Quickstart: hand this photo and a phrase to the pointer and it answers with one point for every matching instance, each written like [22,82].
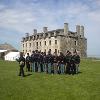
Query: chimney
[35,31]
[27,34]
[49,35]
[82,31]
[55,34]
[66,28]
[78,30]
[45,30]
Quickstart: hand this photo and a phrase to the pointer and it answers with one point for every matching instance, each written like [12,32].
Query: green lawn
[41,86]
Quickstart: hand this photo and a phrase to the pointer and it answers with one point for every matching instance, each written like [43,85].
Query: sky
[18,17]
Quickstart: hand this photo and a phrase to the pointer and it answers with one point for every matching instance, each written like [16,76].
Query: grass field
[41,86]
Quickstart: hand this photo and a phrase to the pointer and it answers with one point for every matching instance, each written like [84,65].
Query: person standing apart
[21,61]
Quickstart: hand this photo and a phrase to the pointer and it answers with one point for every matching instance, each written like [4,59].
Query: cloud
[16,19]
[95,16]
[22,17]
[96,2]
[2,7]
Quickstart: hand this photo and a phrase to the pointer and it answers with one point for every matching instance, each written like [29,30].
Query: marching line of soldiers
[56,64]
[51,64]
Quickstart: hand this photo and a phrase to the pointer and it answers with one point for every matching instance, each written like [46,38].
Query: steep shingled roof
[7,46]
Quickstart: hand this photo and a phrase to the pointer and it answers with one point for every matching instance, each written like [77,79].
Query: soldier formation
[51,63]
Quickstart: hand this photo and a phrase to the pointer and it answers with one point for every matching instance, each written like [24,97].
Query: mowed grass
[41,86]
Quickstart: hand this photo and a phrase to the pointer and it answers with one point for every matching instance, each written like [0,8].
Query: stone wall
[40,45]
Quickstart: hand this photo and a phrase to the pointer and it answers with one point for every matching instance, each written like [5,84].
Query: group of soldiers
[50,63]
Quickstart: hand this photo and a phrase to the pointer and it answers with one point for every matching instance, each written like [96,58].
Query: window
[34,37]
[55,41]
[37,36]
[55,50]
[36,43]
[75,42]
[50,50]
[45,50]
[44,42]
[75,50]
[23,45]
[58,51]
[50,42]
[33,43]
[40,43]
[29,50]
[26,44]
[30,45]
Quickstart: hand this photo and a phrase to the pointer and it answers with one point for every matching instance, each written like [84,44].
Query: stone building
[59,40]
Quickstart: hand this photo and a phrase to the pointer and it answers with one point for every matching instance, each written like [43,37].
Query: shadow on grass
[54,74]
[28,75]
[79,72]
[74,73]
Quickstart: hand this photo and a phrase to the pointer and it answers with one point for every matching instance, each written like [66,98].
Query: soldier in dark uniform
[77,61]
[73,66]
[61,59]
[55,63]
[36,60]
[21,61]
[68,64]
[28,60]
[45,61]
[40,60]
[33,61]
[49,59]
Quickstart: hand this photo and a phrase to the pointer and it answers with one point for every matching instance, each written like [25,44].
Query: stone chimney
[55,34]
[66,28]
[45,30]
[78,30]
[82,31]
[35,31]
[49,35]
[27,34]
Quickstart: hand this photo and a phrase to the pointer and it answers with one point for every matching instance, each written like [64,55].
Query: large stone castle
[59,40]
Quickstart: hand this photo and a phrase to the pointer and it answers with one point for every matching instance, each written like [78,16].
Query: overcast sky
[18,17]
